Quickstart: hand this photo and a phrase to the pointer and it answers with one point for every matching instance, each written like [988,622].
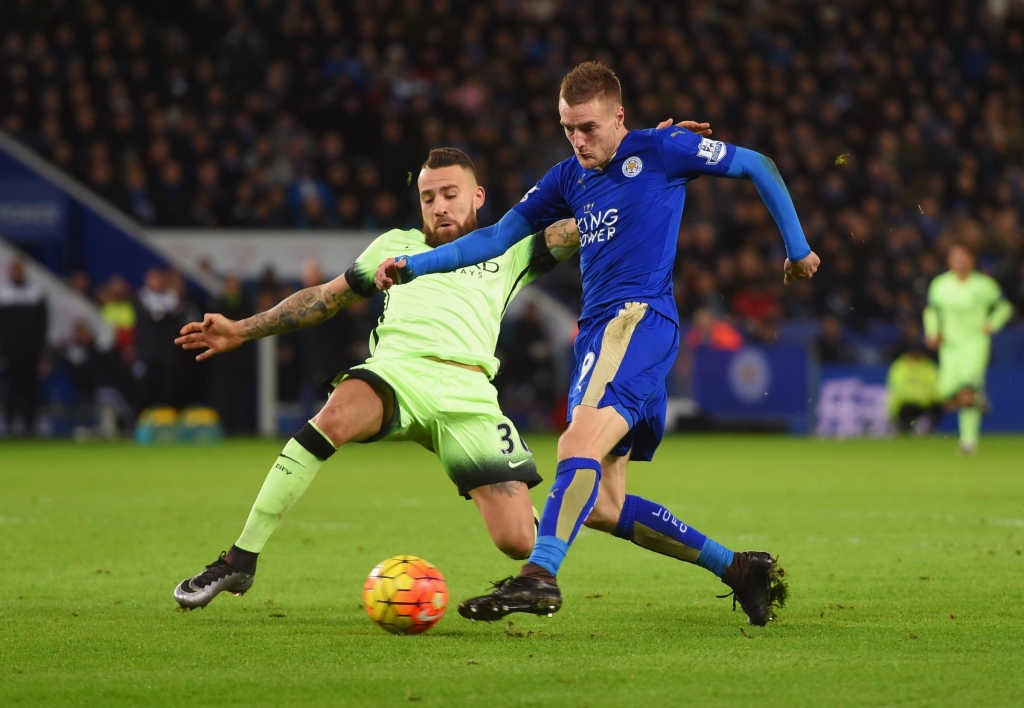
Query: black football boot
[758,584]
[536,596]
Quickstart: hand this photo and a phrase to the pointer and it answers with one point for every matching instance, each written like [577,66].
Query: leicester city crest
[632,166]
[750,376]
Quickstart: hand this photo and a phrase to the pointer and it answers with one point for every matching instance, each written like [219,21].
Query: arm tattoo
[562,238]
[303,309]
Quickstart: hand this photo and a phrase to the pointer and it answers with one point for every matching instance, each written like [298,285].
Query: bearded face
[446,230]
[449,198]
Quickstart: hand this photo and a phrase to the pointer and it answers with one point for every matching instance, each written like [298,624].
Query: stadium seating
[312,114]
[897,126]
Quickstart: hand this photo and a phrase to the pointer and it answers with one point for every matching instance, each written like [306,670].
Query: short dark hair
[590,80]
[448,156]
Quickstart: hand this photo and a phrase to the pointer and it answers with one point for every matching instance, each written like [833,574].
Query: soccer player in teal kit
[626,191]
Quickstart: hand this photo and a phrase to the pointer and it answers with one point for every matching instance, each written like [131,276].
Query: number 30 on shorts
[508,445]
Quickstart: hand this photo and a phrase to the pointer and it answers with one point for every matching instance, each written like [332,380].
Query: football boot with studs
[219,576]
[523,594]
[758,584]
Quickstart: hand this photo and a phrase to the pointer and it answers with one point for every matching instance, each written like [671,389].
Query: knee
[575,443]
[565,445]
[331,421]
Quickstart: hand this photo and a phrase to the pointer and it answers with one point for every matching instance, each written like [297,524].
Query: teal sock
[970,426]
[288,479]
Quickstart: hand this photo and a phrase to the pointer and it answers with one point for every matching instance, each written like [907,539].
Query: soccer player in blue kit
[626,191]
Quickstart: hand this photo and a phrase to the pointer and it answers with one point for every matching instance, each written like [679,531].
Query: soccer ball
[405,595]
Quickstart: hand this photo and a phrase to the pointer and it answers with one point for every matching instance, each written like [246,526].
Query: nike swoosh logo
[513,465]
[294,460]
[425,616]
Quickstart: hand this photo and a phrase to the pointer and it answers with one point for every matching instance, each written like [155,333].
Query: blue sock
[572,498]
[655,528]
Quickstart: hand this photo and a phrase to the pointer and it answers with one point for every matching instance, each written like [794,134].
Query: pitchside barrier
[785,386]
[852,401]
[754,385]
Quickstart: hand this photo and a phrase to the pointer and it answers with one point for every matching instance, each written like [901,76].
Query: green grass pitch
[904,560]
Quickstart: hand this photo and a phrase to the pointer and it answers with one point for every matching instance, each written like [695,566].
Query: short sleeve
[539,259]
[686,154]
[360,276]
[531,259]
[544,204]
[521,254]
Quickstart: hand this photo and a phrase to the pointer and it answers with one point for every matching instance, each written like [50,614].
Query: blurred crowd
[143,368]
[898,125]
[24,317]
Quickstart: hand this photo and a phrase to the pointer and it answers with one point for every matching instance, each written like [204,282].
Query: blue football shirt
[628,213]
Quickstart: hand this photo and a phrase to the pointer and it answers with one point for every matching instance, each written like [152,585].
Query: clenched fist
[803,269]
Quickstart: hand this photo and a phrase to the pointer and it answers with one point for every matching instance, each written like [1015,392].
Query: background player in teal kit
[626,190]
[965,308]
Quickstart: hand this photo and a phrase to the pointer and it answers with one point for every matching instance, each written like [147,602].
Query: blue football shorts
[622,360]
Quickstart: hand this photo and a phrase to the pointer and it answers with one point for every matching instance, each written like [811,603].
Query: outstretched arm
[688,155]
[492,241]
[476,247]
[217,334]
[801,262]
